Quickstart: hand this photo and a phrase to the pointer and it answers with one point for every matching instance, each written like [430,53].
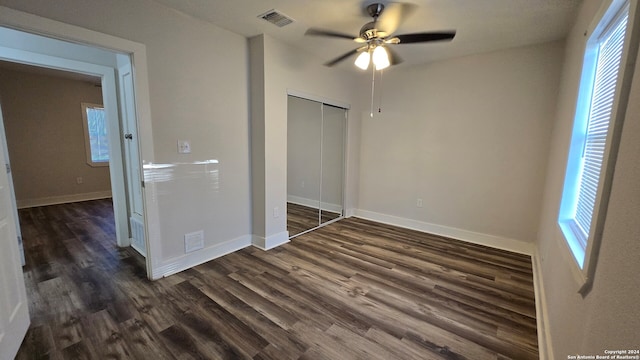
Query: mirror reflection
[315,164]
[332,164]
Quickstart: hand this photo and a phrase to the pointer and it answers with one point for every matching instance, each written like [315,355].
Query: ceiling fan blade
[329,33]
[342,57]
[393,15]
[424,37]
[394,58]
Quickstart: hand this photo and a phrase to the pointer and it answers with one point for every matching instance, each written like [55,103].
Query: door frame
[110,103]
[33,24]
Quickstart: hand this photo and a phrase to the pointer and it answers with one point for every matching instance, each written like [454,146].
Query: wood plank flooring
[351,290]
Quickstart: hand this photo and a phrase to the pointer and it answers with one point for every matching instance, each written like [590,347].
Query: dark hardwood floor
[351,290]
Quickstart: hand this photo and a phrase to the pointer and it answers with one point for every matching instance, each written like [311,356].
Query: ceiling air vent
[276,18]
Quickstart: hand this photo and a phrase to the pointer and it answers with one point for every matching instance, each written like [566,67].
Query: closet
[315,164]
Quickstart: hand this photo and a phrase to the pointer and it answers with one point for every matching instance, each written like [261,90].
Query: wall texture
[606,318]
[45,136]
[468,136]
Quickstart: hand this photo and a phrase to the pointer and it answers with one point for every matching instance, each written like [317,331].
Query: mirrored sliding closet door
[315,164]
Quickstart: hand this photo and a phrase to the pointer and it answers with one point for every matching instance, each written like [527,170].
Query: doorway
[41,126]
[115,75]
[81,51]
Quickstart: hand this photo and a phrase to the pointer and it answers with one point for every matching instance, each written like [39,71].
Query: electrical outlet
[419,203]
[193,241]
[276,212]
[79,180]
[184,147]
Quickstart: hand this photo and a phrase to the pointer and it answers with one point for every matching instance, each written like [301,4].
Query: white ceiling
[481,25]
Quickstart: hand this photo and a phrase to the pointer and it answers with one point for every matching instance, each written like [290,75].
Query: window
[96,141]
[591,141]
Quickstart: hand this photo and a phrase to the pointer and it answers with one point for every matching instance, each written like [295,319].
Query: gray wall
[45,136]
[469,136]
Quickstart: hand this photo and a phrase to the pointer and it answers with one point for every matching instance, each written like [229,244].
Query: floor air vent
[276,18]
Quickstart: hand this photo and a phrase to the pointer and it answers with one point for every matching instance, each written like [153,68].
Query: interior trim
[187,261]
[270,242]
[493,241]
[542,319]
[317,98]
[62,199]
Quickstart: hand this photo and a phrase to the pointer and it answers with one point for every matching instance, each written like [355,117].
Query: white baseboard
[314,203]
[271,241]
[542,320]
[349,213]
[198,257]
[62,199]
[493,241]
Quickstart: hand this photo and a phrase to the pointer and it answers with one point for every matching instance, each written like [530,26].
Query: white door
[132,158]
[14,310]
[12,193]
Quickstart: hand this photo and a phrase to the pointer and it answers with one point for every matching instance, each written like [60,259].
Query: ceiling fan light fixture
[376,35]
[381,58]
[362,61]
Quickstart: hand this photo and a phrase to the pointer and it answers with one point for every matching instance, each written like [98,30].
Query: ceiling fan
[377,36]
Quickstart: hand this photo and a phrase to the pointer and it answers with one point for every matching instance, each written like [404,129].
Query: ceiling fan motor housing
[369,31]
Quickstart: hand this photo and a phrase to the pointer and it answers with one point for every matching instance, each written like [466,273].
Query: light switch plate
[184,147]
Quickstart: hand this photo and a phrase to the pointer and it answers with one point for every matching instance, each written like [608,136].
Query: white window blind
[609,56]
[97,128]
[96,139]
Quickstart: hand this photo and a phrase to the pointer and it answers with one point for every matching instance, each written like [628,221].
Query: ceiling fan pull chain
[373,86]
[380,92]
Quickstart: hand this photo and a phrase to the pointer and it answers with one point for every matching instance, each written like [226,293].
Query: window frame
[608,14]
[87,141]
